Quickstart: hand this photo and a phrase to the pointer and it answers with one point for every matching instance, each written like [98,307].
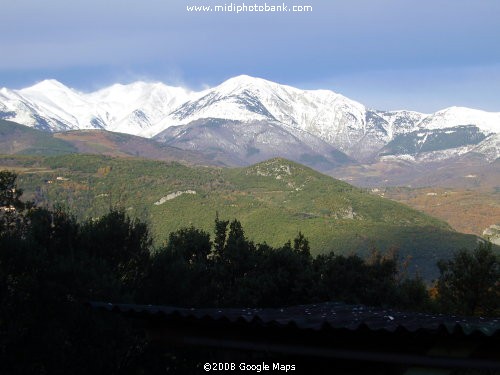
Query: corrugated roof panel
[336,315]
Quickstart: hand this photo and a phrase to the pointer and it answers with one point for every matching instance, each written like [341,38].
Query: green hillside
[274,200]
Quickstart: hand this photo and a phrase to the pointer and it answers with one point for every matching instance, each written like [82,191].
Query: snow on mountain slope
[254,99]
[135,107]
[243,143]
[50,105]
[333,117]
[56,101]
[14,107]
[490,147]
[488,122]
[446,134]
[401,122]
[147,109]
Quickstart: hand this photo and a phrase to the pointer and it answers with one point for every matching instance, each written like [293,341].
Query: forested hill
[274,200]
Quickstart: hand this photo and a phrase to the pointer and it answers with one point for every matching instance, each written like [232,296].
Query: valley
[464,192]
[466,210]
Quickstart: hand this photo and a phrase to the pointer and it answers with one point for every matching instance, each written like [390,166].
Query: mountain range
[245,120]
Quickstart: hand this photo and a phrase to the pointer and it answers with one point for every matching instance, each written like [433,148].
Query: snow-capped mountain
[148,109]
[489,148]
[487,122]
[137,106]
[428,144]
[49,105]
[244,98]
[255,141]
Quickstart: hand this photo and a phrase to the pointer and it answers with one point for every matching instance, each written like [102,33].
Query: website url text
[242,8]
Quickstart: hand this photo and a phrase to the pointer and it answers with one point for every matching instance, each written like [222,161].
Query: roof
[323,316]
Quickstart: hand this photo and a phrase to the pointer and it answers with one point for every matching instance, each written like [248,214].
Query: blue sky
[388,54]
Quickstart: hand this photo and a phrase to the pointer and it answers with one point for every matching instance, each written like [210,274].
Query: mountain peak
[47,84]
[243,78]
[244,81]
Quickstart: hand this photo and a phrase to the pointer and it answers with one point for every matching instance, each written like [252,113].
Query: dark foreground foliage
[470,282]
[50,264]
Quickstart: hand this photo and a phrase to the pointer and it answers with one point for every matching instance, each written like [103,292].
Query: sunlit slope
[20,139]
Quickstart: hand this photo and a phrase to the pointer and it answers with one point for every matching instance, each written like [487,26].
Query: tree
[412,294]
[301,245]
[236,262]
[340,278]
[469,282]
[121,243]
[191,244]
[12,209]
[9,192]
[220,235]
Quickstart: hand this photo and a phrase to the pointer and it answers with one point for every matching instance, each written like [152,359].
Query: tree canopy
[470,282]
